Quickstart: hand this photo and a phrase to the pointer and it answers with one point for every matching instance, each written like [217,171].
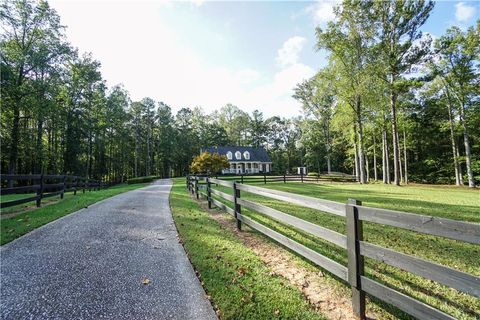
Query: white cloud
[137,48]
[288,53]
[322,11]
[464,12]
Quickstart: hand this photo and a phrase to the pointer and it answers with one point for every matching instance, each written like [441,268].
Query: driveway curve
[117,259]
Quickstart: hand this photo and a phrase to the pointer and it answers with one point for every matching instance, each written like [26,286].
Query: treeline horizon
[58,115]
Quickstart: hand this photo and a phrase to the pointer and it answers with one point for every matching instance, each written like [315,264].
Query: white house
[244,160]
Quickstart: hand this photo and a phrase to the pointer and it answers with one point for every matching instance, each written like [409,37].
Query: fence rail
[354,214]
[45,186]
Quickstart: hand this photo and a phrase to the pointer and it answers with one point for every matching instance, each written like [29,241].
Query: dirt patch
[326,298]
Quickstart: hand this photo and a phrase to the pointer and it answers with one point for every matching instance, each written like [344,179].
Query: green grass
[239,284]
[14,227]
[449,202]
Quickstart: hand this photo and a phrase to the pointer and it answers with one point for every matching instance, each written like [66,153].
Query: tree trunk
[396,154]
[367,168]
[468,154]
[356,160]
[361,154]
[39,146]
[12,164]
[460,172]
[400,160]
[456,164]
[385,162]
[375,176]
[405,157]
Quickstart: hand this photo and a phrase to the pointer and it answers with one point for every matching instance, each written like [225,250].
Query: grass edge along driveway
[17,226]
[239,285]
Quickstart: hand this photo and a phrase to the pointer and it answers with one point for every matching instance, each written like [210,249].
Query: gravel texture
[93,264]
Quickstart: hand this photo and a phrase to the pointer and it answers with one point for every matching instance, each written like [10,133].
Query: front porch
[247,168]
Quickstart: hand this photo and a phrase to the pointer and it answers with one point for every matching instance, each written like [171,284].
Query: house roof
[256,154]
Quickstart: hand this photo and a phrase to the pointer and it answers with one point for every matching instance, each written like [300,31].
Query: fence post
[301,174]
[241,177]
[196,188]
[187,182]
[64,179]
[40,192]
[76,186]
[84,184]
[355,259]
[264,179]
[238,207]
[284,178]
[209,193]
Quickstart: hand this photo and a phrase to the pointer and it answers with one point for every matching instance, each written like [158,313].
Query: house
[244,160]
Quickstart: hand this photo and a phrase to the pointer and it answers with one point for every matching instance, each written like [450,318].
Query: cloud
[464,12]
[288,53]
[149,57]
[322,11]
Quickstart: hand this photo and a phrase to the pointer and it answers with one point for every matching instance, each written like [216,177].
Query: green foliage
[209,163]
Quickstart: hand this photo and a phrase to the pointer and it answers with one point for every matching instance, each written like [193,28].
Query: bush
[142,179]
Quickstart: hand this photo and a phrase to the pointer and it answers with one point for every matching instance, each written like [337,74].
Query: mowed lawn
[441,201]
[14,227]
[239,285]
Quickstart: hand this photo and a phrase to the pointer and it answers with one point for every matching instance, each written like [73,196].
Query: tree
[349,40]
[458,52]
[33,40]
[400,47]
[209,163]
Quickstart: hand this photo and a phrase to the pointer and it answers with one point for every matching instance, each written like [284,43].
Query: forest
[392,104]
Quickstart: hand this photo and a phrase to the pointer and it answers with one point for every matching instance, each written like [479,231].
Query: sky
[210,53]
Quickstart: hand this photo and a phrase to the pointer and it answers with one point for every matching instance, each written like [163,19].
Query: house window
[238,155]
[229,155]
[246,155]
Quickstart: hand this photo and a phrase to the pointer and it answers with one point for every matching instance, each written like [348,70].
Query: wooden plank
[222,182]
[461,281]
[17,202]
[222,194]
[4,191]
[52,186]
[52,194]
[223,206]
[304,201]
[53,176]
[320,260]
[20,176]
[453,229]
[314,229]
[411,306]
[356,265]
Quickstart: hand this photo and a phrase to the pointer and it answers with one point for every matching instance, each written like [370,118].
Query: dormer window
[238,155]
[229,155]
[246,155]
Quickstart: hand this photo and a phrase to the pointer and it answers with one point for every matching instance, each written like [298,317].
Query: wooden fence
[288,178]
[45,186]
[353,243]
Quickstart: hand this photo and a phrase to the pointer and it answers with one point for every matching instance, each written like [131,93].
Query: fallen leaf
[146,281]
[276,312]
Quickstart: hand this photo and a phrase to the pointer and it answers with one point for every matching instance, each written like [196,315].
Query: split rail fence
[352,242]
[289,178]
[44,186]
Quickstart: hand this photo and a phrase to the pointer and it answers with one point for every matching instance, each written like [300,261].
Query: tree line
[390,105]
[409,104]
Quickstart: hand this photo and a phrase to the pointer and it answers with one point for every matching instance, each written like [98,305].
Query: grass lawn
[442,201]
[14,227]
[239,284]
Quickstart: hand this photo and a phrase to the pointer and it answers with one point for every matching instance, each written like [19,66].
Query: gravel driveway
[93,264]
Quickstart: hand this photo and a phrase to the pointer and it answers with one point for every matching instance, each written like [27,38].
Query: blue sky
[209,53]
